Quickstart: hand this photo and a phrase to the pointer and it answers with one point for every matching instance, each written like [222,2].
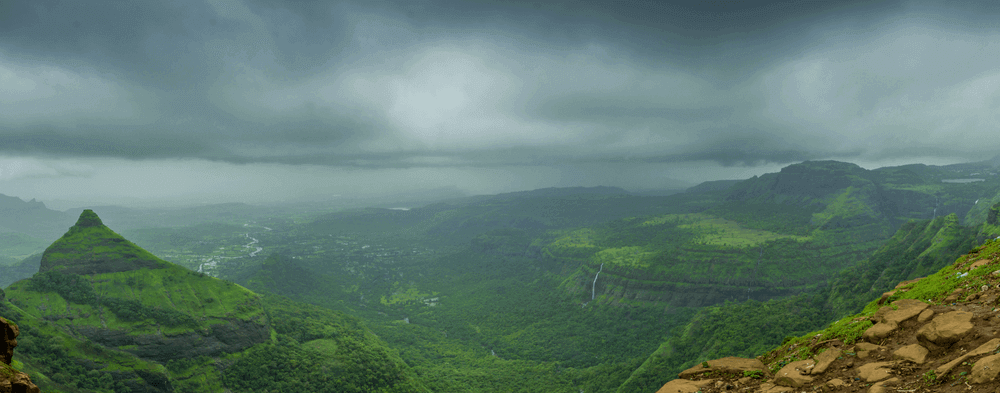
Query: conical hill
[90,247]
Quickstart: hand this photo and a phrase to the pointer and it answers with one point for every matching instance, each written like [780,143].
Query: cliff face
[11,380]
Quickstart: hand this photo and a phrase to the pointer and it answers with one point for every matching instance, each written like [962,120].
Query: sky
[213,101]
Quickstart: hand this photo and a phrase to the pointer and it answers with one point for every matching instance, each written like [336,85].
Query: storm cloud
[563,85]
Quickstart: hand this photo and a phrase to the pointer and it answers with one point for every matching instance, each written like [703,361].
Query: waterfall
[594,286]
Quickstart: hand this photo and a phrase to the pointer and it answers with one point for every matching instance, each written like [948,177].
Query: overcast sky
[256,101]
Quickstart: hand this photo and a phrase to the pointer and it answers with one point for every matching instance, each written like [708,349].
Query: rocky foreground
[11,380]
[945,342]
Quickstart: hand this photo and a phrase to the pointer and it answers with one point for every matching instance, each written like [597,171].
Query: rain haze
[145,103]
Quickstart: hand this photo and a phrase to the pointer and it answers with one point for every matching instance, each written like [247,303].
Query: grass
[721,232]
[931,289]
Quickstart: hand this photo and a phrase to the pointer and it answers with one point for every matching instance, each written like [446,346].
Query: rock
[835,383]
[908,282]
[954,296]
[978,263]
[684,386]
[884,386]
[947,328]
[879,331]
[8,339]
[726,365]
[885,296]
[904,309]
[986,369]
[915,353]
[12,380]
[794,374]
[864,349]
[768,387]
[824,360]
[867,347]
[925,316]
[874,372]
[986,348]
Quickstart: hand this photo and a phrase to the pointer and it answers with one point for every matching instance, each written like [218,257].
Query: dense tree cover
[742,329]
[917,249]
[58,358]
[317,350]
[78,289]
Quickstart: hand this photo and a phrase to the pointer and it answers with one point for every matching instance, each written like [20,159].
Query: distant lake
[399,208]
[961,180]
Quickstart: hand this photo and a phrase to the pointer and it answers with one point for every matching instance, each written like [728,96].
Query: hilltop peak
[90,247]
[89,219]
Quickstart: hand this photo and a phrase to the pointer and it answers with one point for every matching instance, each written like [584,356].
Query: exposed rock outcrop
[8,340]
[948,343]
[12,380]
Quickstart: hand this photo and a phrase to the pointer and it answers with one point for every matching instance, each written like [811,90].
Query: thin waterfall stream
[594,286]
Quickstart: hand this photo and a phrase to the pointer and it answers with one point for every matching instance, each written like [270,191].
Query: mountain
[24,225]
[102,314]
[936,333]
[89,247]
[16,271]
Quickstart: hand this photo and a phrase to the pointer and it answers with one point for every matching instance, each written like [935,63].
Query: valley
[574,289]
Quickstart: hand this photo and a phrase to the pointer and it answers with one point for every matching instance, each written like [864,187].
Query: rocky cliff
[12,380]
[936,334]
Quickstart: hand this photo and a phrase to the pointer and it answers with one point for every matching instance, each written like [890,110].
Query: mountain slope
[105,315]
[919,247]
[933,334]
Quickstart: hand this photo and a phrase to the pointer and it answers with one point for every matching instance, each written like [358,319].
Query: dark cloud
[411,84]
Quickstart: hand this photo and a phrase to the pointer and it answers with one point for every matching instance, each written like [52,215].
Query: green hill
[105,315]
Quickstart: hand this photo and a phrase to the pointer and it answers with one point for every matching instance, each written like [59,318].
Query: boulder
[986,348]
[884,386]
[824,360]
[684,386]
[879,331]
[986,369]
[900,311]
[12,380]
[864,349]
[915,353]
[8,340]
[874,372]
[925,316]
[947,328]
[794,374]
[726,365]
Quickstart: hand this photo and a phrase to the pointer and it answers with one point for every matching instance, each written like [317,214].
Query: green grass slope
[90,247]
[918,248]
